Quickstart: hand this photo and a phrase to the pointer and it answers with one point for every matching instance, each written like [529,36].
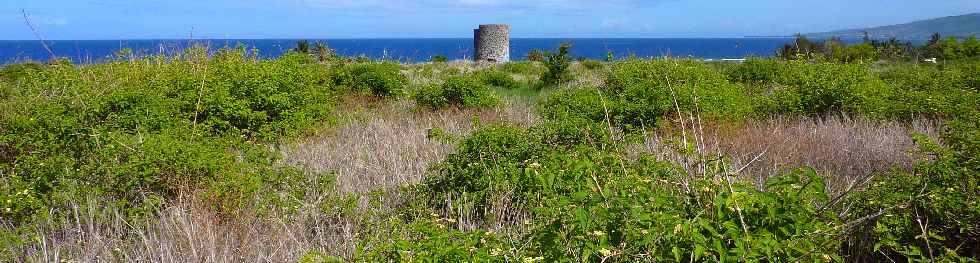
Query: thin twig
[683,128]
[925,230]
[738,209]
[27,20]
[200,91]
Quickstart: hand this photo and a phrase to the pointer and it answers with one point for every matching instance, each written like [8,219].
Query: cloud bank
[475,5]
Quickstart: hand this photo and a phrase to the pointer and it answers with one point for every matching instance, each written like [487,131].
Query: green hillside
[962,26]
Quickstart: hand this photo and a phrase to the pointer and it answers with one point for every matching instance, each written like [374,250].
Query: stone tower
[491,43]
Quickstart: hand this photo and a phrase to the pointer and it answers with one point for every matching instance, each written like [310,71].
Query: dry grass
[432,73]
[386,146]
[188,231]
[846,150]
[584,77]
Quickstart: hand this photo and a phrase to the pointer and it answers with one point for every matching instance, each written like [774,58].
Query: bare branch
[27,20]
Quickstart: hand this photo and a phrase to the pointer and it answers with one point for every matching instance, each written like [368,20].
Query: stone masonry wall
[491,43]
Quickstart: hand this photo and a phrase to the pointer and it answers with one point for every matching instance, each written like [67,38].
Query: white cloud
[498,5]
[608,23]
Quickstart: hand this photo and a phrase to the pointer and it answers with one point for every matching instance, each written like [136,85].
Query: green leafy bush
[381,79]
[497,79]
[591,64]
[432,96]
[439,59]
[324,53]
[465,92]
[756,71]
[535,55]
[829,88]
[19,72]
[582,103]
[854,53]
[895,91]
[523,67]
[557,64]
[434,240]
[141,131]
[590,203]
[640,93]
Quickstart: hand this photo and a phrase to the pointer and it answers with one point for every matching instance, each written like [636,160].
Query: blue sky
[126,19]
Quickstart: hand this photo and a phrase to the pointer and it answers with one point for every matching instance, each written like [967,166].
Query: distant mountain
[959,26]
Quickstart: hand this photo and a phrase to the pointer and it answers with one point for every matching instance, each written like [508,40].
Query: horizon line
[412,38]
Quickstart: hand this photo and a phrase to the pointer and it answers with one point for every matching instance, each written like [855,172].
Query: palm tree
[302,46]
[323,52]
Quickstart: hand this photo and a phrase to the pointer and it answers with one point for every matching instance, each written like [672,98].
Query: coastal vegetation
[950,48]
[819,156]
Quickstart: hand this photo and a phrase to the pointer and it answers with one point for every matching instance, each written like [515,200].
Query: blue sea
[406,50]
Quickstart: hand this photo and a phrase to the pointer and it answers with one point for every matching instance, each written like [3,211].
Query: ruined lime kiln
[491,43]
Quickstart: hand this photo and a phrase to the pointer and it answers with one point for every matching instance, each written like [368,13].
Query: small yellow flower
[605,252]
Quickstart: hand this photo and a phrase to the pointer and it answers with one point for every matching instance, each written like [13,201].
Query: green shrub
[522,67]
[465,92]
[830,88]
[324,53]
[756,71]
[640,93]
[659,84]
[859,89]
[820,88]
[497,79]
[965,73]
[439,59]
[432,96]
[139,132]
[434,240]
[626,218]
[591,64]
[801,48]
[302,47]
[924,90]
[590,203]
[582,103]
[493,160]
[855,53]
[557,64]
[19,72]
[381,79]
[535,55]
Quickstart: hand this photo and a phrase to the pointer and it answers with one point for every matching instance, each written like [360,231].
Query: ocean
[407,50]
